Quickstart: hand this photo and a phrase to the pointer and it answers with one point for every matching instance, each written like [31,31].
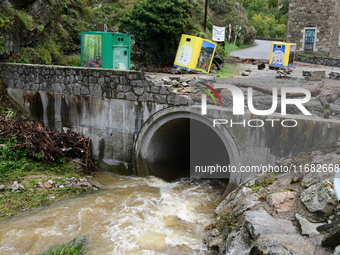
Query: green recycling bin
[105,50]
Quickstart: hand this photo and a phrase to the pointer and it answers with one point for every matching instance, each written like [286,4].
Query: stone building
[314,25]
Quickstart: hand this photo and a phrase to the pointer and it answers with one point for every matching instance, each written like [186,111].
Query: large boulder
[320,198]
[307,228]
[269,248]
[279,235]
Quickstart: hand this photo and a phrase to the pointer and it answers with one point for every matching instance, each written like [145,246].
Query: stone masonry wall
[322,14]
[318,60]
[105,83]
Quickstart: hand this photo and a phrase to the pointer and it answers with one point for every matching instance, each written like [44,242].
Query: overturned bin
[195,54]
[281,54]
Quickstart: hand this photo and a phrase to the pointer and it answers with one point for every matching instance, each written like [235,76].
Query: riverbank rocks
[269,248]
[307,228]
[284,213]
[70,182]
[16,187]
[282,201]
[320,198]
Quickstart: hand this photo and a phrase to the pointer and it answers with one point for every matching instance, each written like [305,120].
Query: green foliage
[262,182]
[225,12]
[157,26]
[226,221]
[228,71]
[49,33]
[17,165]
[46,35]
[5,20]
[69,60]
[268,18]
[10,152]
[267,26]
[12,203]
[10,113]
[16,161]
[72,248]
[108,13]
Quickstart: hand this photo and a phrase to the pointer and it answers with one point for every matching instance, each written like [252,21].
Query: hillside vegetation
[48,31]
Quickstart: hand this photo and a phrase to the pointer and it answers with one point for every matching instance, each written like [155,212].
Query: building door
[309,40]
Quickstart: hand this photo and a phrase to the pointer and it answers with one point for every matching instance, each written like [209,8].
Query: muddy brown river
[130,215]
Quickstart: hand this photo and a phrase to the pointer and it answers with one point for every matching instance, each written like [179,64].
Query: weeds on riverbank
[16,166]
[75,247]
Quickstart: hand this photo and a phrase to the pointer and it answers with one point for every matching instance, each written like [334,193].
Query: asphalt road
[261,50]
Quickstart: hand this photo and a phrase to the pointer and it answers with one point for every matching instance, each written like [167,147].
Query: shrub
[157,26]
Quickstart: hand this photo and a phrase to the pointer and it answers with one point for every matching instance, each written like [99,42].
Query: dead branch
[50,144]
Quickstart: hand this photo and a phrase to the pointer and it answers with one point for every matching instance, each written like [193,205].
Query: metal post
[205,15]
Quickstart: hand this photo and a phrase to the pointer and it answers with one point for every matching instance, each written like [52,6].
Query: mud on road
[268,79]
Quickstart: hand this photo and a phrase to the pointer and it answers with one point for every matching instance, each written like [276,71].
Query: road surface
[260,51]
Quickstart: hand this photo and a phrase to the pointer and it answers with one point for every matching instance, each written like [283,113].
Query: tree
[267,16]
[157,26]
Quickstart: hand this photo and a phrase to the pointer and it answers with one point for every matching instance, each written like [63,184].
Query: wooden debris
[50,144]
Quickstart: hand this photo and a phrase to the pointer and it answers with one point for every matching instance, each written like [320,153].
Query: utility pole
[205,15]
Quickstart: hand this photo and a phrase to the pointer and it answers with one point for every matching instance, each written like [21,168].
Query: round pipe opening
[180,145]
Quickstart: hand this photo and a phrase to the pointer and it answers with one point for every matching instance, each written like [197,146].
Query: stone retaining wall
[105,83]
[318,60]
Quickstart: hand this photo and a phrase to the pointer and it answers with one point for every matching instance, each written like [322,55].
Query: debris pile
[49,144]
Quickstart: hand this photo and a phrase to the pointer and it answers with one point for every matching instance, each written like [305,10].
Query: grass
[12,203]
[228,71]
[229,47]
[75,247]
[15,165]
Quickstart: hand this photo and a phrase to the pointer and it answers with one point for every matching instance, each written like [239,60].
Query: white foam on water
[176,205]
[149,216]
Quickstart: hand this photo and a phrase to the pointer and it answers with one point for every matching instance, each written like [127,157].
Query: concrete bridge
[140,128]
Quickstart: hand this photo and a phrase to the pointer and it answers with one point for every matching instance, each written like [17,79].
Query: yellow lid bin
[281,54]
[195,53]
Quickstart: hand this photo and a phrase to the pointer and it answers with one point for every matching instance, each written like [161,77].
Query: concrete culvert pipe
[170,146]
